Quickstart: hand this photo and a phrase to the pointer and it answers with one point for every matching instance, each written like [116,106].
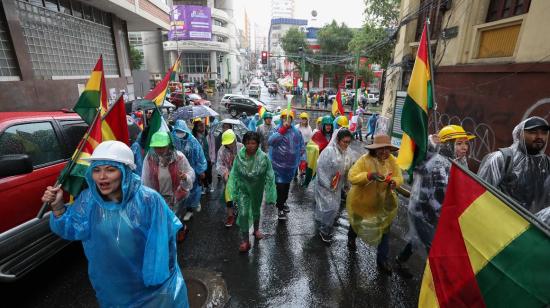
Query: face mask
[181,134]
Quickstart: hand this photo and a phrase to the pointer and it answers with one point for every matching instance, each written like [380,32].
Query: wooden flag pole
[71,163]
[432,77]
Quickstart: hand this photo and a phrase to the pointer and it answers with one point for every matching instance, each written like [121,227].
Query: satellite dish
[314,13]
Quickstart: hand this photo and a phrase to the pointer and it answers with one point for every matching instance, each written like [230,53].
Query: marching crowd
[130,217]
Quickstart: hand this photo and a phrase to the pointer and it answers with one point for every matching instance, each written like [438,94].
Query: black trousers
[282,194]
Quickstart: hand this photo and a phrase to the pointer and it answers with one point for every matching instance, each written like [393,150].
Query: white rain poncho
[265,132]
[333,167]
[130,246]
[428,192]
[526,179]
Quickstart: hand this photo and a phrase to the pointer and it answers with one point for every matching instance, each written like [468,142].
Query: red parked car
[34,148]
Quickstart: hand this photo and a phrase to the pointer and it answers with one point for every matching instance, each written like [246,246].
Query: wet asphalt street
[290,267]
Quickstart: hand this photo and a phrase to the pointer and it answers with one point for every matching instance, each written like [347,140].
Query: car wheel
[233,112]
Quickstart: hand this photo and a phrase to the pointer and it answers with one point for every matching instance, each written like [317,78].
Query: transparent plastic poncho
[286,151]
[226,158]
[332,174]
[192,150]
[139,154]
[250,177]
[526,179]
[176,163]
[265,132]
[372,205]
[130,246]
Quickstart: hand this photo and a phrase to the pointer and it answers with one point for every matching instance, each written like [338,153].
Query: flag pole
[432,79]
[72,162]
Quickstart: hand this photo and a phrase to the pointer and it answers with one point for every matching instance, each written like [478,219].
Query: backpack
[507,153]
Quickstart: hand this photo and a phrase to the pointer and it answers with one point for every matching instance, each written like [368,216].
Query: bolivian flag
[337,106]
[414,120]
[487,251]
[158,94]
[94,95]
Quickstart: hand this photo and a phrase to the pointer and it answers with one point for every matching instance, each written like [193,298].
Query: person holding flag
[131,262]
[287,152]
[332,174]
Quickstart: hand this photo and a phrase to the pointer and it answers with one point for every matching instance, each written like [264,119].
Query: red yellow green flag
[261,111]
[93,96]
[414,119]
[337,106]
[484,252]
[158,94]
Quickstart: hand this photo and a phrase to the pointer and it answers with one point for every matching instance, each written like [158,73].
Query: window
[8,64]
[38,140]
[500,9]
[64,45]
[73,131]
[431,9]
[65,6]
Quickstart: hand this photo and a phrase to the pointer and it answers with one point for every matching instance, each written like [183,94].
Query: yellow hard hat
[285,113]
[342,121]
[304,115]
[451,132]
[319,119]
[228,137]
[197,120]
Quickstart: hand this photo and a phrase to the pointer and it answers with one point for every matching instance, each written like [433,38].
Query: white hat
[115,151]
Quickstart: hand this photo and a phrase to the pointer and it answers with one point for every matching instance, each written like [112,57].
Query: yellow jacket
[369,209]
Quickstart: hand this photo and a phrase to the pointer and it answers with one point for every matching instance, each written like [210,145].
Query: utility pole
[357,84]
[228,75]
[303,70]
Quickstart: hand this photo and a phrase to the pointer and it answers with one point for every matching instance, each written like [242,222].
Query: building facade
[278,64]
[217,59]
[49,48]
[282,9]
[491,65]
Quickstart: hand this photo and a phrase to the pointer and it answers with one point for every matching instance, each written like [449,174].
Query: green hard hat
[326,120]
[160,139]
[267,115]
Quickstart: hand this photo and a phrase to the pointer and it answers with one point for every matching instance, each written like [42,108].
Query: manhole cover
[197,292]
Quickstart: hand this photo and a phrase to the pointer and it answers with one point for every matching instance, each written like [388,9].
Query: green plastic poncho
[249,178]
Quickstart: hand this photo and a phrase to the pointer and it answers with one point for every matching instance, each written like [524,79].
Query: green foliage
[136,58]
[334,39]
[365,38]
[291,43]
[382,13]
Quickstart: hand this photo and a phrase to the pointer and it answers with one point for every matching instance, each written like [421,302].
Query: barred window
[8,64]
[64,45]
[193,63]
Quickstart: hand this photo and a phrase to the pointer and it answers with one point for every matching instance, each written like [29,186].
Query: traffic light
[264,57]
[349,83]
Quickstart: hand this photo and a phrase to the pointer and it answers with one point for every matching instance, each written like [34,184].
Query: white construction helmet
[115,151]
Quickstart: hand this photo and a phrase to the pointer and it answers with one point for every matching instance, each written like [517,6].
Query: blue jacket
[130,246]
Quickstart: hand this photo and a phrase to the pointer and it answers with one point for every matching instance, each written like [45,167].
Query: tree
[292,41]
[367,41]
[334,39]
[136,58]
[382,13]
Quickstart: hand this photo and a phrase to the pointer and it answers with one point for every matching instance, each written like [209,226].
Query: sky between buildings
[259,12]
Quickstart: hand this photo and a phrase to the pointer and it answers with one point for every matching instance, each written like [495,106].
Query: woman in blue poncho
[192,149]
[127,231]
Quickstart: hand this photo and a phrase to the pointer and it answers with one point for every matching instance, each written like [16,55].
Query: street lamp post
[302,70]
[228,75]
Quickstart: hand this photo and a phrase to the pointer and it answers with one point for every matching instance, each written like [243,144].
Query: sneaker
[282,215]
[198,208]
[325,237]
[230,221]
[286,209]
[187,216]
[352,246]
[384,267]
[245,246]
[258,235]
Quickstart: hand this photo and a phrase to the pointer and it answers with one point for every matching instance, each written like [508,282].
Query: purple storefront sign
[190,22]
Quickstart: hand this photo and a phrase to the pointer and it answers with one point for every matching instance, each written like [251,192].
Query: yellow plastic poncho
[372,205]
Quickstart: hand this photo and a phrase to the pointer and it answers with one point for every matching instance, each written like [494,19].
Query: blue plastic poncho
[286,151]
[130,246]
[192,150]
[253,123]
[138,155]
